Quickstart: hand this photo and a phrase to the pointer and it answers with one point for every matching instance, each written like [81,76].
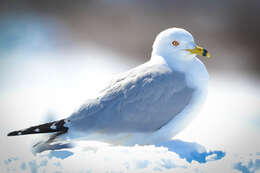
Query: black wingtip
[11,134]
[14,133]
[55,126]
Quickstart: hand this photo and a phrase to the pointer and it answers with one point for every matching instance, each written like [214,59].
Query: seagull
[148,104]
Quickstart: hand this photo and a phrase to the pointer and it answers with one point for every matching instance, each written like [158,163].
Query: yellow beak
[199,51]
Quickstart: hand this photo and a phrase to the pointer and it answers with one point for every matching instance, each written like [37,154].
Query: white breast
[197,77]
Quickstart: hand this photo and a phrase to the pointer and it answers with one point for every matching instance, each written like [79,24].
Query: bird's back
[140,100]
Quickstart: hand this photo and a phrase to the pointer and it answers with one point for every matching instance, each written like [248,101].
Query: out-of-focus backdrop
[56,54]
[229,29]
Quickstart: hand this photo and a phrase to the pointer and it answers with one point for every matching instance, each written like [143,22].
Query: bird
[148,104]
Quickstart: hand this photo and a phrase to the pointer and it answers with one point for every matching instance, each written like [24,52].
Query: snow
[100,157]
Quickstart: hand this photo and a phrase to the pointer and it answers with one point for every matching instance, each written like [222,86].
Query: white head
[177,44]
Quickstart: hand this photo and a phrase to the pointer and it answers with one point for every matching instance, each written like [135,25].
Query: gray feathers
[141,100]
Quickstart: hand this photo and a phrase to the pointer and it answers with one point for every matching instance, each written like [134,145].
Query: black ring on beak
[204,52]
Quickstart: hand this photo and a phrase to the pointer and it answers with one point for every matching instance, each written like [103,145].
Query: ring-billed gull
[148,104]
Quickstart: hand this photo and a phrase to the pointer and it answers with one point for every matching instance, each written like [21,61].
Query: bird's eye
[175,43]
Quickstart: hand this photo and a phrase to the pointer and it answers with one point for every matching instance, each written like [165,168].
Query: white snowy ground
[223,138]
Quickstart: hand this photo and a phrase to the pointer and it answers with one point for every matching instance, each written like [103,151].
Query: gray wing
[141,100]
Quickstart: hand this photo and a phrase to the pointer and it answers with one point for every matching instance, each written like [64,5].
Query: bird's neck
[173,62]
[194,69]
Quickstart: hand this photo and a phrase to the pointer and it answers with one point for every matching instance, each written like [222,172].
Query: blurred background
[229,29]
[56,54]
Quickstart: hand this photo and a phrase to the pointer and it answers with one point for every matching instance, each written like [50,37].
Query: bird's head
[177,43]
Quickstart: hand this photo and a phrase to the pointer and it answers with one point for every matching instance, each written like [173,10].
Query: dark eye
[175,43]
